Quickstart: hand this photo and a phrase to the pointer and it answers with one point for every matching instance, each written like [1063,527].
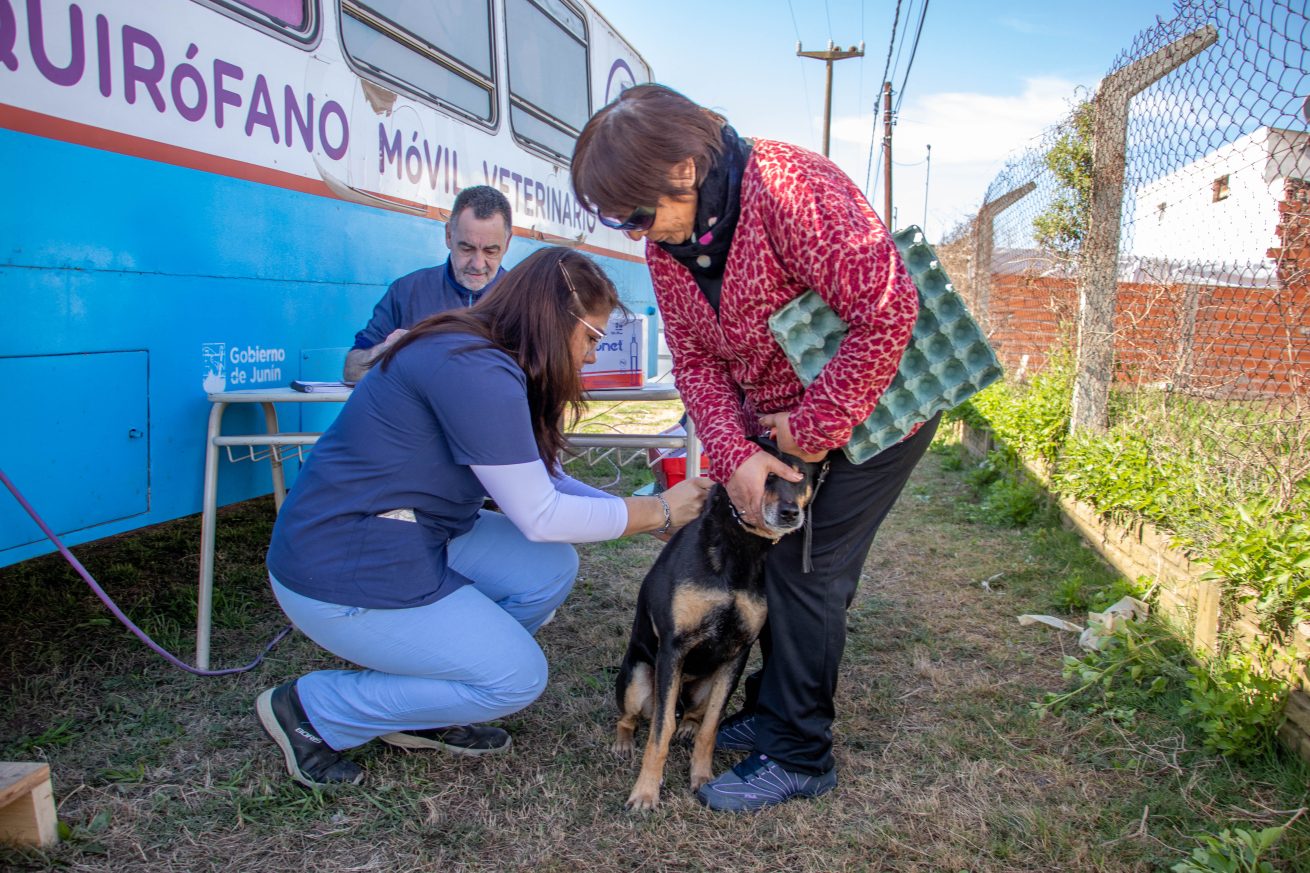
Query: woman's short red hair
[627,151]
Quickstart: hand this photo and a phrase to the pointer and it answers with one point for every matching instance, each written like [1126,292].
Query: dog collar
[756,531]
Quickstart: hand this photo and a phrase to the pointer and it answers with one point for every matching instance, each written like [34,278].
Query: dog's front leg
[668,683]
[721,685]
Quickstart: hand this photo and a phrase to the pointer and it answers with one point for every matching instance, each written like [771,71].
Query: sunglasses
[641,219]
[596,335]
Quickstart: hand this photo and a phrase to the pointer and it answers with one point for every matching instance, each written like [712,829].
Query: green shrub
[1009,501]
[1072,593]
[954,456]
[1167,462]
[1265,554]
[1136,665]
[1235,851]
[995,466]
[1033,420]
[1236,702]
[1126,475]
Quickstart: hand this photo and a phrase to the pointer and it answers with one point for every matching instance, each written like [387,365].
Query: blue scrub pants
[469,657]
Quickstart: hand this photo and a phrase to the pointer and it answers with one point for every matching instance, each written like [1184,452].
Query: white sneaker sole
[412,742]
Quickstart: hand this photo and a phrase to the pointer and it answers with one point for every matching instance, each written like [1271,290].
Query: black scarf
[718,206]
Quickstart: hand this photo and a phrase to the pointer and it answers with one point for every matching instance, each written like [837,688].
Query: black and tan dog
[700,608]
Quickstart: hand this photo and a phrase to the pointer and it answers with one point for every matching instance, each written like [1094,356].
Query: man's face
[477,246]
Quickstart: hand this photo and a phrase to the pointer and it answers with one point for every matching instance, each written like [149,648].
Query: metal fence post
[1099,257]
[985,230]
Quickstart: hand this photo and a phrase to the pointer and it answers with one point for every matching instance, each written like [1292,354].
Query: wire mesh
[1210,292]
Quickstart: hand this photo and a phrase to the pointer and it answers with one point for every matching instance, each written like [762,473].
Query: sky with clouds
[986,80]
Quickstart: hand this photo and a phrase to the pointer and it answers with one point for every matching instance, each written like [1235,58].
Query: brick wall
[1224,341]
[1293,252]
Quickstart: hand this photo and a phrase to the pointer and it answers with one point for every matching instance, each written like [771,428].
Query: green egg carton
[947,361]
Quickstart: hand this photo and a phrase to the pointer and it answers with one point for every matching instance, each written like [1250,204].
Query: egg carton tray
[947,361]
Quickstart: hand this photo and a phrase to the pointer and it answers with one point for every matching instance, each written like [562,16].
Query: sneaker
[736,733]
[462,739]
[310,760]
[758,783]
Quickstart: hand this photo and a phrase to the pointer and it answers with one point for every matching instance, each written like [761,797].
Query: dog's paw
[623,747]
[700,779]
[686,731]
[643,801]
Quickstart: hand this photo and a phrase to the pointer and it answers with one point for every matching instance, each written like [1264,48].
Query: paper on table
[317,387]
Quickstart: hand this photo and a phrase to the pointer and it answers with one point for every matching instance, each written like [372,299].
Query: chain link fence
[1161,233]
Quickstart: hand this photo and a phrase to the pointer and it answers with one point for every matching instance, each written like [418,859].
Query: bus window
[440,49]
[549,92]
[297,19]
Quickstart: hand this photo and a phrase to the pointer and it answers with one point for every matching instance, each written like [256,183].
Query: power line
[873,134]
[923,14]
[891,43]
[900,45]
[805,82]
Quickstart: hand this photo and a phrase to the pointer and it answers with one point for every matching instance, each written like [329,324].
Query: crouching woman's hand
[684,501]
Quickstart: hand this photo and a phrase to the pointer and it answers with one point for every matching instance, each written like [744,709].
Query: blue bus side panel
[102,253]
[99,472]
[109,253]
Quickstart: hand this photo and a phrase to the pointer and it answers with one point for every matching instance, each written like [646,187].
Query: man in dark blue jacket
[477,234]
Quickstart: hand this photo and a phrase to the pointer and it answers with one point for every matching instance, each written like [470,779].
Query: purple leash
[118,613]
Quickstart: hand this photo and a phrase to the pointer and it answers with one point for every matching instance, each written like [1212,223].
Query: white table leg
[275,458]
[208,513]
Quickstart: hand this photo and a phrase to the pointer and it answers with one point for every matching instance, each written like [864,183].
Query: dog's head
[785,503]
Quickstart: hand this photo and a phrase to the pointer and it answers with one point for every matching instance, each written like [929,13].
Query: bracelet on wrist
[668,515]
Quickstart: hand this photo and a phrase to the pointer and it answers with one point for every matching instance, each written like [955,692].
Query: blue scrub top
[415,296]
[404,440]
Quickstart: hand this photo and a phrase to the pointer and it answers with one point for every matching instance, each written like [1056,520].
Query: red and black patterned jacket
[803,225]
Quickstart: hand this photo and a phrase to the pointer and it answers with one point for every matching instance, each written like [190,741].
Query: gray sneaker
[462,739]
[758,783]
[736,733]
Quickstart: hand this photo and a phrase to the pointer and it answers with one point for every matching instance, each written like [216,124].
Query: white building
[1215,218]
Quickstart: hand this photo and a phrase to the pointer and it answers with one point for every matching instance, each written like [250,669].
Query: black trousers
[805,635]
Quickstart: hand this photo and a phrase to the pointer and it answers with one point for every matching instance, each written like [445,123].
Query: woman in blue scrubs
[384,555]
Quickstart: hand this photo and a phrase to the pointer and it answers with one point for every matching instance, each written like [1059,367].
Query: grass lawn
[944,766]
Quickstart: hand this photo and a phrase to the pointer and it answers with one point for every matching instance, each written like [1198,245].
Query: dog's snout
[789,513]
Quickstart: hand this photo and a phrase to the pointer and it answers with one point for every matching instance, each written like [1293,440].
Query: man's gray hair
[485,202]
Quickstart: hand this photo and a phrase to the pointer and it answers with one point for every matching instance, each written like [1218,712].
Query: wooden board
[27,806]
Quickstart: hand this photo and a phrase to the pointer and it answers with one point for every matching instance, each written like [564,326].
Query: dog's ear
[767,444]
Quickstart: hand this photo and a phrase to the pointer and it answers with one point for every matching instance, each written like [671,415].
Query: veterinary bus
[204,195]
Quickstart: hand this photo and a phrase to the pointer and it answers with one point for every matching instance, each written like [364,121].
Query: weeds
[1234,851]
[1236,702]
[1265,556]
[1135,667]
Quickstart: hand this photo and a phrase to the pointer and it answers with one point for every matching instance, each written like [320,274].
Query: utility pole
[832,53]
[887,153]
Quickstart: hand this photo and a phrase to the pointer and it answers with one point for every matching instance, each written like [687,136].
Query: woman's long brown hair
[531,314]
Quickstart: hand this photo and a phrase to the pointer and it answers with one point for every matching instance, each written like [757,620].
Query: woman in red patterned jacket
[734,230]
